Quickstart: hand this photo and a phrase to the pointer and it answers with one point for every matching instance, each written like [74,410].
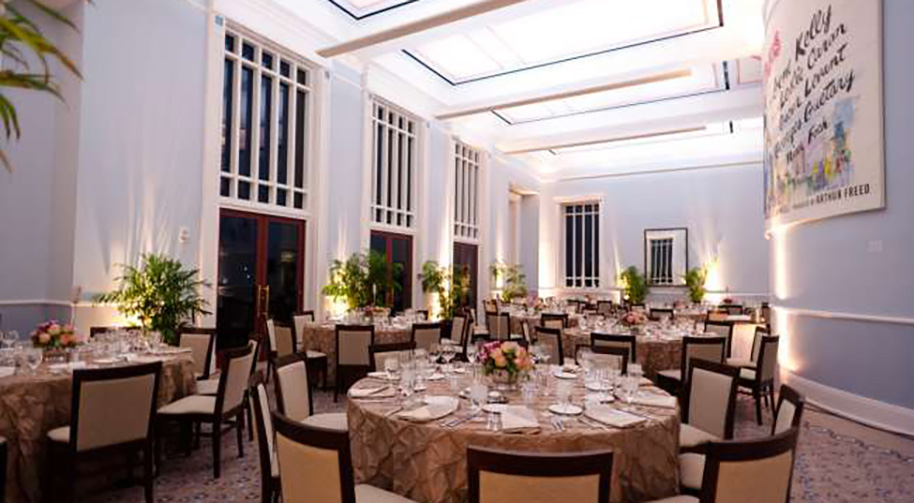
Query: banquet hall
[456,251]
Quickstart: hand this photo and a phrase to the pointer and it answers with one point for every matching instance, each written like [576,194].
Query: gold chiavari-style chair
[551,338]
[293,394]
[760,380]
[708,404]
[352,358]
[315,466]
[709,349]
[496,476]
[263,423]
[426,335]
[112,412]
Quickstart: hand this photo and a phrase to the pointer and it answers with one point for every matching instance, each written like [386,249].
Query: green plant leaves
[636,287]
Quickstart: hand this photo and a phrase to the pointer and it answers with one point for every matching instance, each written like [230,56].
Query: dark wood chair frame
[684,398]
[728,349]
[661,310]
[270,489]
[674,387]
[578,464]
[67,454]
[317,366]
[209,350]
[347,372]
[498,315]
[281,362]
[731,309]
[427,326]
[606,350]
[553,316]
[387,348]
[761,389]
[558,335]
[321,438]
[631,340]
[788,394]
[308,312]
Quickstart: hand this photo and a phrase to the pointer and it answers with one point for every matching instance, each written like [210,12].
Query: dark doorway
[397,249]
[466,257]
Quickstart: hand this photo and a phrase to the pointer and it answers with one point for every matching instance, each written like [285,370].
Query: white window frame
[466,164]
[243,36]
[400,215]
[578,279]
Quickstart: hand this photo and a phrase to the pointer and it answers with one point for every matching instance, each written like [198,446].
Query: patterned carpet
[830,468]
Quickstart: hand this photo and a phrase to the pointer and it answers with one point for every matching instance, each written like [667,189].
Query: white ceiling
[553,53]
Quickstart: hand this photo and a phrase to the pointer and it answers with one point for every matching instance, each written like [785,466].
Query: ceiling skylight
[580,28]
[363,8]
[714,129]
[703,79]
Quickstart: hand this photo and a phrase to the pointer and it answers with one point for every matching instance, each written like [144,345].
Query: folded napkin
[372,392]
[613,417]
[518,419]
[644,381]
[7,371]
[428,413]
[655,400]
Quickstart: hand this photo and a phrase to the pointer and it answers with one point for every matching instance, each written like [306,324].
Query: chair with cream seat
[352,358]
[293,394]
[708,404]
[263,423]
[745,471]
[722,329]
[426,335]
[627,342]
[612,357]
[496,476]
[551,338]
[318,361]
[112,411]
[760,332]
[760,380]
[693,348]
[661,314]
[605,308]
[315,466]
[379,353]
[458,328]
[731,309]
[202,344]
[551,320]
[211,387]
[498,325]
[225,408]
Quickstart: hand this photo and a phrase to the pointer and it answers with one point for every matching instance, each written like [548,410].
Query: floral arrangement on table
[505,361]
[54,335]
[634,319]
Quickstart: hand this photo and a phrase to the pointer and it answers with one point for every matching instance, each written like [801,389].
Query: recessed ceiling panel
[580,28]
[714,129]
[360,9]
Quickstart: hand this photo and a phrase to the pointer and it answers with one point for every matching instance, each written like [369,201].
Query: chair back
[283,337]
[263,421]
[605,308]
[498,476]
[426,335]
[552,320]
[202,344]
[458,328]
[660,314]
[234,380]
[552,339]
[717,315]
[499,325]
[710,398]
[750,471]
[767,358]
[627,342]
[113,406]
[789,412]
[315,465]
[732,309]
[293,393]
[352,343]
[612,357]
[721,329]
[637,308]
[525,332]
[709,349]
[299,320]
[379,353]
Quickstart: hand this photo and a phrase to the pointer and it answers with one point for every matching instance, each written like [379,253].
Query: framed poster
[824,144]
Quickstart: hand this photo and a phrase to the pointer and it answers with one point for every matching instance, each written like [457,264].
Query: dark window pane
[300,137]
[586,241]
[237,278]
[409,175]
[247,52]
[299,200]
[284,68]
[282,154]
[228,86]
[281,197]
[225,187]
[302,77]
[266,106]
[379,155]
[244,190]
[596,248]
[244,149]
[283,273]
[263,193]
[266,59]
[230,43]
[569,246]
[579,244]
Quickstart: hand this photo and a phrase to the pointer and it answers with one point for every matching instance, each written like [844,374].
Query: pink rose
[500,360]
[54,329]
[44,337]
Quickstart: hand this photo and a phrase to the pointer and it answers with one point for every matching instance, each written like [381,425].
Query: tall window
[582,245]
[466,200]
[266,115]
[393,173]
[661,261]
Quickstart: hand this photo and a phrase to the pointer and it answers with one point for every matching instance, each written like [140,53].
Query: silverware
[592,424]
[458,421]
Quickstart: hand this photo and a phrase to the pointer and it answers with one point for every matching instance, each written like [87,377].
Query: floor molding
[866,411]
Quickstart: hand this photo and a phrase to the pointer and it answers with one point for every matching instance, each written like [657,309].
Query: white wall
[721,207]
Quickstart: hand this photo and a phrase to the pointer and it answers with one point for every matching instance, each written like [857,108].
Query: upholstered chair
[263,423]
[627,342]
[426,335]
[458,329]
[550,320]
[605,308]
[202,344]
[112,412]
[760,380]
[498,325]
[613,357]
[753,356]
[496,476]
[721,329]
[552,339]
[317,360]
[708,404]
[709,349]
[315,466]
[352,359]
[378,353]
[293,394]
[660,314]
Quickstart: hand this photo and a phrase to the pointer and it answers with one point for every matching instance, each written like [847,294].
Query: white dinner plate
[568,409]
[565,375]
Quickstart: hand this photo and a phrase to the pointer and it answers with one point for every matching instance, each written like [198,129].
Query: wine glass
[563,393]
[479,392]
[448,351]
[392,367]
[33,359]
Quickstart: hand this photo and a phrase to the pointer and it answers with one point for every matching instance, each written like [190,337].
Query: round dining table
[321,336]
[426,461]
[660,350]
[32,404]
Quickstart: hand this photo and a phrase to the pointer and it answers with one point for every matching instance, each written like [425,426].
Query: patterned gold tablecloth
[322,337]
[654,354]
[32,405]
[427,462]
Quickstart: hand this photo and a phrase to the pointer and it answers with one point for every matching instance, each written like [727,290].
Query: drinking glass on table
[392,367]
[33,357]
[563,392]
[634,370]
[479,393]
[448,351]
[434,353]
[629,388]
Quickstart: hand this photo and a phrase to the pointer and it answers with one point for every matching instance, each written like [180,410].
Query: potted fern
[634,285]
[514,280]
[160,293]
[695,280]
[452,287]
[363,281]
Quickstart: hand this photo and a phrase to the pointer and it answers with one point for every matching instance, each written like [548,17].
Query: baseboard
[867,411]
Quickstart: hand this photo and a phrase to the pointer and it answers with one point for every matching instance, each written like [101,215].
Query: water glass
[529,391]
[33,359]
[392,367]
[630,388]
[479,393]
[492,422]
[634,369]
[563,392]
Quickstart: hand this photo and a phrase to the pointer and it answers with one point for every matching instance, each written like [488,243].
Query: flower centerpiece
[52,335]
[505,362]
[634,320]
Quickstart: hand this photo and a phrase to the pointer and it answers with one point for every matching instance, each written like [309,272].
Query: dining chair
[732,309]
[552,339]
[202,344]
[789,412]
[317,360]
[282,342]
[760,331]
[627,342]
[553,320]
[693,348]
[708,404]
[605,308]
[637,308]
[315,466]
[498,325]
[661,314]
[611,356]
[112,412]
[722,329]
[226,408]
[352,359]
[4,448]
[293,394]
[496,476]
[525,332]
[759,470]
[211,387]
[426,335]
[760,380]
[379,353]
[458,328]
[422,314]
[94,331]
[269,468]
